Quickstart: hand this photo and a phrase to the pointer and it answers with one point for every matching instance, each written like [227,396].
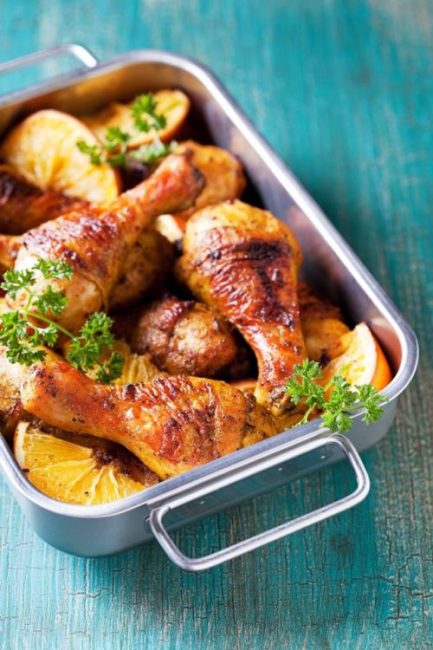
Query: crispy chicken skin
[313,306]
[184,336]
[223,173]
[9,247]
[322,325]
[244,262]
[12,376]
[172,424]
[96,246]
[144,269]
[24,206]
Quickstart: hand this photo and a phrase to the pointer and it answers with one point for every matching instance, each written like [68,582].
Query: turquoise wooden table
[344,91]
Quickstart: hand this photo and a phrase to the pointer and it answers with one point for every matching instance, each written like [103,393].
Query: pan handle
[319,440]
[73,49]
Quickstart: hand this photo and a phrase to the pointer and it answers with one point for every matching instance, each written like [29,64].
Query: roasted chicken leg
[144,270]
[24,206]
[9,247]
[172,424]
[244,262]
[96,246]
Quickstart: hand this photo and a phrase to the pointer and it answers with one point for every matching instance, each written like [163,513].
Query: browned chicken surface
[244,262]
[184,336]
[12,376]
[144,270]
[9,247]
[222,172]
[322,325]
[96,246]
[172,424]
[24,206]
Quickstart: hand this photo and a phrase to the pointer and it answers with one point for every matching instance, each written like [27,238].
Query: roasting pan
[330,265]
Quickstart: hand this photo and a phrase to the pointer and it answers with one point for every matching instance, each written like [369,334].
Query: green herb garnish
[114,149]
[111,369]
[144,113]
[150,153]
[26,329]
[335,400]
[115,146]
[94,151]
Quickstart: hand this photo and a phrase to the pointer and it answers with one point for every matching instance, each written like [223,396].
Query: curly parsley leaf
[302,385]
[14,281]
[114,137]
[13,328]
[115,146]
[145,115]
[93,341]
[150,153]
[50,302]
[44,336]
[114,149]
[94,151]
[54,269]
[111,370]
[335,401]
[98,328]
[371,401]
[14,335]
[24,354]
[27,330]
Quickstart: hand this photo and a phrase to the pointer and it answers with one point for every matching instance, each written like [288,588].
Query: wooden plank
[343,91]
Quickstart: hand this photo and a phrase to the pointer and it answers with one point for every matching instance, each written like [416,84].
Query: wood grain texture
[343,90]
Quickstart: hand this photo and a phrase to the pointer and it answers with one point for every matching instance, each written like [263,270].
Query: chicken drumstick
[244,262]
[96,245]
[172,424]
[24,206]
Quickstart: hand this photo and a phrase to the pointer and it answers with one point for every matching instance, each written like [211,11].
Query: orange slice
[173,104]
[138,368]
[43,149]
[72,472]
[362,360]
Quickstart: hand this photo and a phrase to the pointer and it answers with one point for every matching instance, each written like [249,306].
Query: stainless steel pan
[331,264]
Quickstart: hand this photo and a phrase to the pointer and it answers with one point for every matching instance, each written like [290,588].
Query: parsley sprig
[336,400]
[115,151]
[154,151]
[25,330]
[94,151]
[145,115]
[114,148]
